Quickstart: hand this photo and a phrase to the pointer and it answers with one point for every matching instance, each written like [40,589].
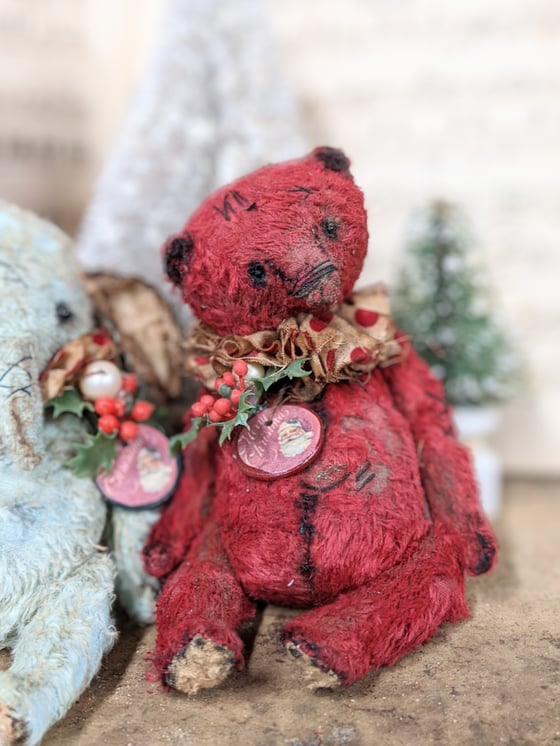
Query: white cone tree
[210,107]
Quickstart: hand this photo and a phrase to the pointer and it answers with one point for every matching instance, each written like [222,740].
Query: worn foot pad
[315,676]
[201,665]
[12,730]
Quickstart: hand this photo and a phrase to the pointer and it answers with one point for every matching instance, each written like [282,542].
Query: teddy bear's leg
[136,590]
[199,609]
[57,653]
[378,623]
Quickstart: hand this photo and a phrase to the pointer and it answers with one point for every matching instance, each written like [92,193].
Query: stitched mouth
[312,280]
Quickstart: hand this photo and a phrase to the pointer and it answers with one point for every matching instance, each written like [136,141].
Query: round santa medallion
[144,474]
[279,441]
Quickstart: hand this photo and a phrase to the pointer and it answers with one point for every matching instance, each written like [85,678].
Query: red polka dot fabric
[340,346]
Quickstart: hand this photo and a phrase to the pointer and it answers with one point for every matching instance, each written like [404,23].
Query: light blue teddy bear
[57,582]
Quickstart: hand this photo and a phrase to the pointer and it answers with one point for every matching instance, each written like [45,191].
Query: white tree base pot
[474,426]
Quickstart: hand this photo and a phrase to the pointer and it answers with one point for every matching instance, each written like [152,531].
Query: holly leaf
[228,427]
[98,452]
[293,370]
[226,430]
[247,407]
[70,402]
[242,418]
[180,441]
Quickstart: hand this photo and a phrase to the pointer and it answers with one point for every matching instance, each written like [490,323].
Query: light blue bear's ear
[21,413]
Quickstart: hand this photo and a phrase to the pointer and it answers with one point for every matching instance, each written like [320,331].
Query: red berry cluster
[112,410]
[229,389]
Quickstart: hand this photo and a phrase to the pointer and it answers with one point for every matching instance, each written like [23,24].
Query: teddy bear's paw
[202,664]
[314,673]
[158,559]
[12,730]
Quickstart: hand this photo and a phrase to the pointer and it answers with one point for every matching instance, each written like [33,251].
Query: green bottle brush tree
[442,301]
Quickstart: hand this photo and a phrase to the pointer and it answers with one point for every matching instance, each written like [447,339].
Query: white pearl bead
[254,370]
[101,378]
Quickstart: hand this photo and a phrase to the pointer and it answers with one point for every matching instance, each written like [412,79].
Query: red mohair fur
[371,540]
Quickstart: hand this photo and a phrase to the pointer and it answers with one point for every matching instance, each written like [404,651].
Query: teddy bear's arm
[181,520]
[445,464]
[126,532]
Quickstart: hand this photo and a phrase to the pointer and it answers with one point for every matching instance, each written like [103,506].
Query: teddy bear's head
[43,305]
[287,238]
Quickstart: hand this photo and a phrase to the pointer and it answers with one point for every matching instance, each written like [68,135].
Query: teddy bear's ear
[333,159]
[176,254]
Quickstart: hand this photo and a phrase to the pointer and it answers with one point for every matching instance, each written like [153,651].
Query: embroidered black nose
[311,280]
[333,159]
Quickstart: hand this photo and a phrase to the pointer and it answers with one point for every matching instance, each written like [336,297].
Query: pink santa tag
[279,442]
[144,474]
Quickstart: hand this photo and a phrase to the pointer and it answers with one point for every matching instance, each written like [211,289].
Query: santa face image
[154,473]
[292,438]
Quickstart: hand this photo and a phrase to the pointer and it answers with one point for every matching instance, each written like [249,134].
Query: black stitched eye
[257,274]
[64,314]
[330,228]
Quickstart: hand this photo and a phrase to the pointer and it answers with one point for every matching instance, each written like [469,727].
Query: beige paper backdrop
[429,98]
[462,100]
[67,68]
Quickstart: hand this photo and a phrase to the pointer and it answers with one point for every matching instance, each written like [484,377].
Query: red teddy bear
[348,496]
